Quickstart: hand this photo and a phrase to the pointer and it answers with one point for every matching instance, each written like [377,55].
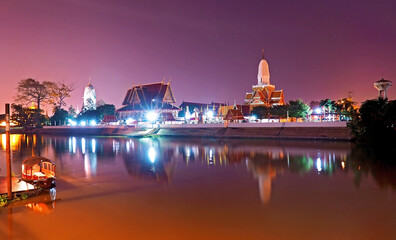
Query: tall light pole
[8,152]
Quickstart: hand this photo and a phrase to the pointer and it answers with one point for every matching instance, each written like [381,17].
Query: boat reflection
[42,204]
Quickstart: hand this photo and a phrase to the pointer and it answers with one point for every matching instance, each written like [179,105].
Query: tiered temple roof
[146,97]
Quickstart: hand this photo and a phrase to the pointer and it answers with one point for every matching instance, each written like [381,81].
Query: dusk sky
[211,49]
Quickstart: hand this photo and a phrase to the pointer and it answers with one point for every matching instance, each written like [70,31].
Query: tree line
[33,94]
[298,109]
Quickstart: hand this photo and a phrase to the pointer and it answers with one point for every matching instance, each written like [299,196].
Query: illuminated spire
[263,75]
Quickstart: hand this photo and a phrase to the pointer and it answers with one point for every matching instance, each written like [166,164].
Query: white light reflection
[128,149]
[152,154]
[211,157]
[83,145]
[116,146]
[318,165]
[74,144]
[70,145]
[188,152]
[93,142]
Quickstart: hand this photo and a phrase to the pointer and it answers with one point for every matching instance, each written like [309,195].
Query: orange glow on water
[15,140]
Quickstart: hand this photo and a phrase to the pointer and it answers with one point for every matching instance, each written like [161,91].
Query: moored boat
[39,171]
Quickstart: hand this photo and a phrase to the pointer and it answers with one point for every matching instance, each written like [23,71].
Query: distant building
[264,94]
[244,109]
[89,97]
[188,107]
[382,86]
[142,99]
[234,115]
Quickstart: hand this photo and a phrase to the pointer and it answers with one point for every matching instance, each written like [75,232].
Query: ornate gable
[168,96]
[135,98]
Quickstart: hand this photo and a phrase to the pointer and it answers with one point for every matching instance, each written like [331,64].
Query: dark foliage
[261,112]
[375,122]
[98,114]
[60,117]
[27,117]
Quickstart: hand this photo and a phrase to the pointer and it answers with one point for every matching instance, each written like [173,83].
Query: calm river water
[187,188]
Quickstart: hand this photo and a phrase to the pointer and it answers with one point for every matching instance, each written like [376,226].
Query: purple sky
[211,49]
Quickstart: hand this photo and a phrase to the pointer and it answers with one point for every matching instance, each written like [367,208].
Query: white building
[89,97]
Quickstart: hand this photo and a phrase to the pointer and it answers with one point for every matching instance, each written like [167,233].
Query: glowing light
[343,165]
[253,117]
[71,122]
[92,123]
[4,141]
[129,121]
[318,110]
[318,165]
[83,123]
[152,154]
[210,114]
[152,116]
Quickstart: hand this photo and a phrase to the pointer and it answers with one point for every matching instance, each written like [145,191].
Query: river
[193,188]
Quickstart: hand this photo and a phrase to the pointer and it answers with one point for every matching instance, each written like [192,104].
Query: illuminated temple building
[141,99]
[89,97]
[264,94]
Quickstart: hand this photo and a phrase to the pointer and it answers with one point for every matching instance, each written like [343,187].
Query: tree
[100,102]
[30,90]
[26,117]
[72,112]
[98,114]
[106,109]
[375,122]
[60,117]
[261,112]
[345,107]
[298,109]
[59,92]
[279,111]
[328,105]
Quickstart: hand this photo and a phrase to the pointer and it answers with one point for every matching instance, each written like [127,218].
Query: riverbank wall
[289,130]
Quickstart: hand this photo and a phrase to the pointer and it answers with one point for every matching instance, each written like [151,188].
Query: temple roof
[140,107]
[234,114]
[276,94]
[149,94]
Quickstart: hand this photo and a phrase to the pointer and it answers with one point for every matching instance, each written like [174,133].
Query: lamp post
[8,152]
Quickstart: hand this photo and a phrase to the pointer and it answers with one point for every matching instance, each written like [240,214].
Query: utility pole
[8,152]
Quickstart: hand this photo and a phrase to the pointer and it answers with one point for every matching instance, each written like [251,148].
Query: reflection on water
[43,204]
[156,158]
[234,188]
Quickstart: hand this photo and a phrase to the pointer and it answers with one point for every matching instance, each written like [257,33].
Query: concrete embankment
[297,130]
[305,130]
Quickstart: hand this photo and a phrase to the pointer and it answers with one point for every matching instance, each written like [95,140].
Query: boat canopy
[33,160]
